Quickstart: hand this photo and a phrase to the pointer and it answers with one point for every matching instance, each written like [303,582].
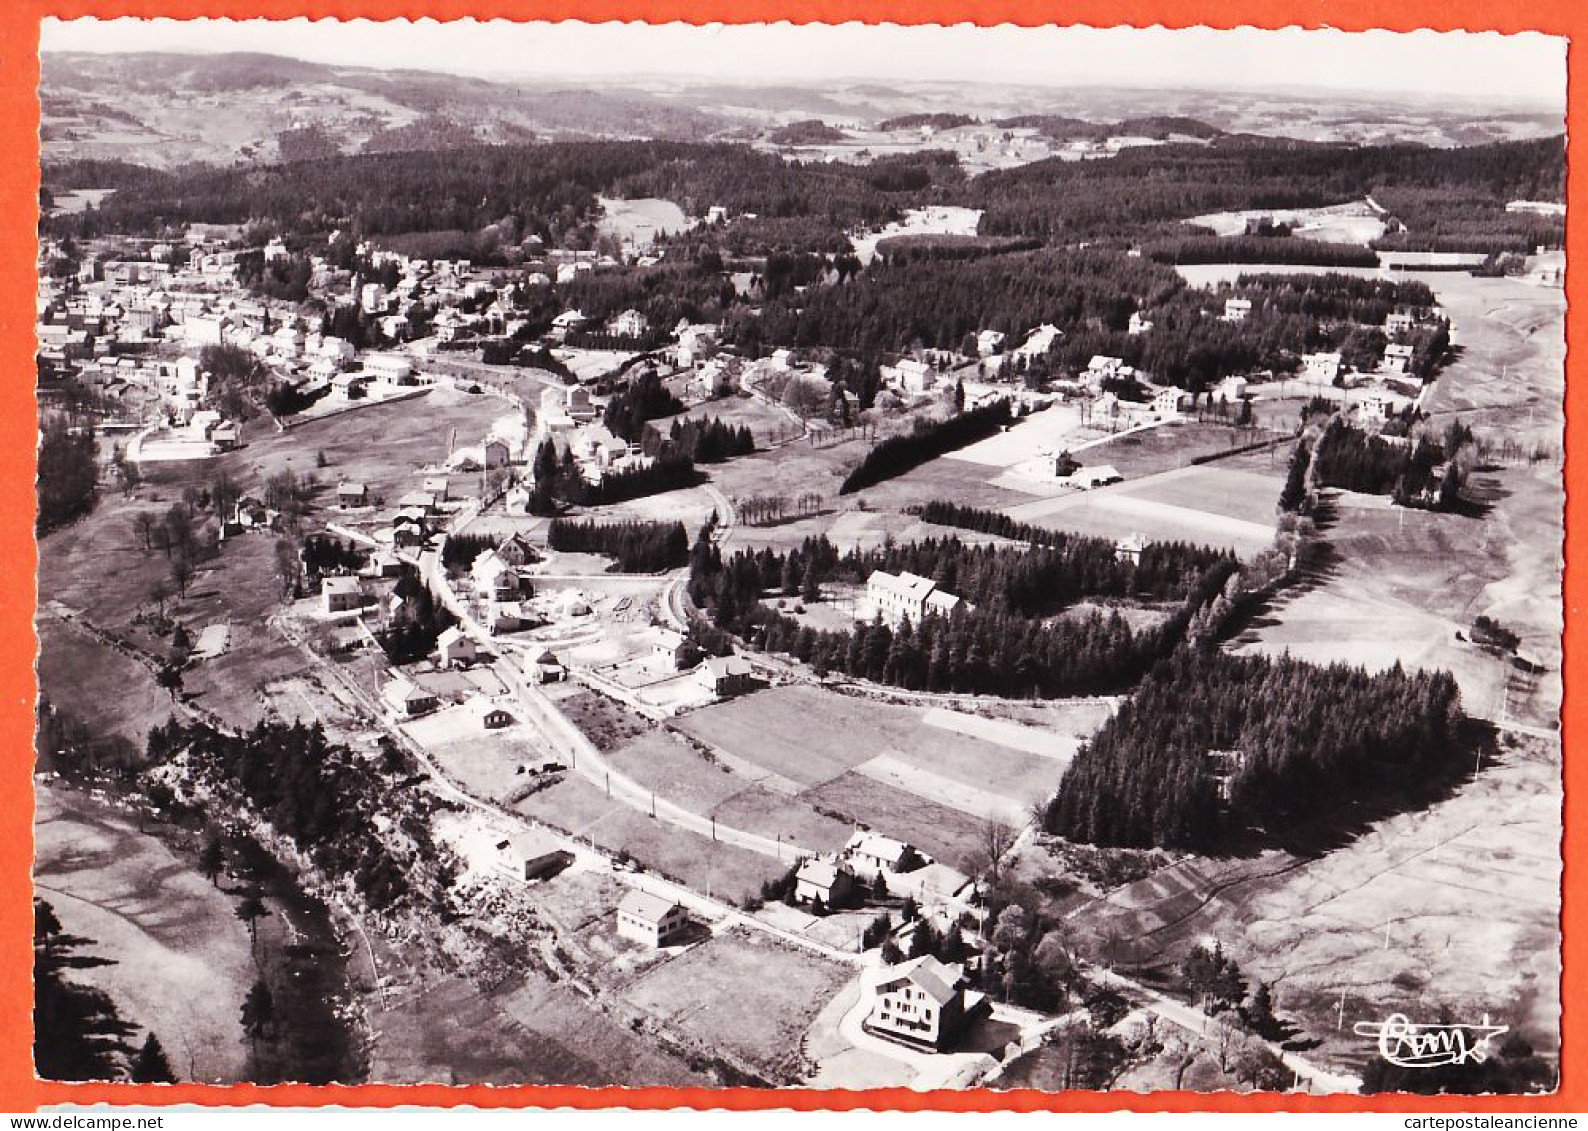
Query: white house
[493,577]
[723,676]
[1138,324]
[341,594]
[872,854]
[650,919]
[1237,309]
[1322,367]
[1166,403]
[829,881]
[1397,358]
[1398,323]
[407,698]
[910,375]
[989,342]
[630,324]
[907,595]
[923,1002]
[456,648]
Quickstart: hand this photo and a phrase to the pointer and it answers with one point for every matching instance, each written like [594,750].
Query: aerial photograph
[825,557]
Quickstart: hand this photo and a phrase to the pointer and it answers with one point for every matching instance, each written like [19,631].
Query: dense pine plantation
[1409,470]
[1001,646]
[1211,745]
[639,547]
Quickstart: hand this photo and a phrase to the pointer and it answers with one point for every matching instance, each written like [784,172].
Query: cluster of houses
[569,419]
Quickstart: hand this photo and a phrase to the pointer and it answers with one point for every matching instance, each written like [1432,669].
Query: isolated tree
[212,857]
[891,954]
[258,1014]
[143,526]
[150,1065]
[181,573]
[251,910]
[997,839]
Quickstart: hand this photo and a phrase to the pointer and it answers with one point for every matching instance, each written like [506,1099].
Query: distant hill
[171,109]
[1160,127]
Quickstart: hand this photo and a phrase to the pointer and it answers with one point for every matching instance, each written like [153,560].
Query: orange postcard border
[19,118]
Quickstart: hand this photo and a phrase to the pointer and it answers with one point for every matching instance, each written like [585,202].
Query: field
[181,955]
[640,221]
[526,1031]
[746,995]
[924,775]
[576,806]
[1210,505]
[1351,223]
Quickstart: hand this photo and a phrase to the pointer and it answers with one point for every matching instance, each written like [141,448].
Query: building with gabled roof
[924,1002]
[652,920]
[897,597]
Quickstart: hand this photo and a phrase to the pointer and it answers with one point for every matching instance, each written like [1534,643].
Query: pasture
[1218,507]
[926,775]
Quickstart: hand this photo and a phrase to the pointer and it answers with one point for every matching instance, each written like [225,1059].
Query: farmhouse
[872,854]
[907,596]
[725,675]
[924,1002]
[832,883]
[650,919]
[341,594]
[516,551]
[352,494]
[409,699]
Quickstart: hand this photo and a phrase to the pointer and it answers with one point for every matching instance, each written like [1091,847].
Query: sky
[1524,69]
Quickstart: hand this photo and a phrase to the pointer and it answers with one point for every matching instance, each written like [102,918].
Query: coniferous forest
[898,454]
[638,547]
[1212,746]
[1004,641]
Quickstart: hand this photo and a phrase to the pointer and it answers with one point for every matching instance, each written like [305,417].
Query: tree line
[704,440]
[1212,746]
[637,547]
[898,454]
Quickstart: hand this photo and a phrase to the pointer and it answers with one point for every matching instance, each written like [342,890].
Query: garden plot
[745,994]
